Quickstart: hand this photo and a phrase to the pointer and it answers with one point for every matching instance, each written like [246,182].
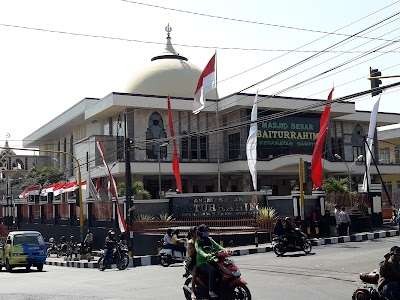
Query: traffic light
[375,82]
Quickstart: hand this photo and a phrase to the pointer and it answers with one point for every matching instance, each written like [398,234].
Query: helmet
[51,240]
[202,231]
[169,231]
[111,233]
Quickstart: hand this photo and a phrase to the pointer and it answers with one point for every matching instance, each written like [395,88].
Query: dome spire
[170,51]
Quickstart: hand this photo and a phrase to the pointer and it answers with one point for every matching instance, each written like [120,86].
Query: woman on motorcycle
[206,248]
[191,253]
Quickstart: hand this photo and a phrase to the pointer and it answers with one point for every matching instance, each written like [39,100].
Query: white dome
[167,74]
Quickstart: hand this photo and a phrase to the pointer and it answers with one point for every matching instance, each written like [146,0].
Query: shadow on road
[298,254]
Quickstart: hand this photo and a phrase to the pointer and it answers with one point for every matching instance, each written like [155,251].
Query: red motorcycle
[230,285]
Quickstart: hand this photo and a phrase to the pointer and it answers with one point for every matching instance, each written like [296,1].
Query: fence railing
[215,225]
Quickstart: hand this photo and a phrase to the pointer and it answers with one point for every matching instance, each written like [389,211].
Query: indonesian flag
[30,190]
[207,82]
[175,157]
[316,160]
[113,189]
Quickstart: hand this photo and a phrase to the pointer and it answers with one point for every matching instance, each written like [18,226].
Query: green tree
[137,189]
[333,184]
[44,175]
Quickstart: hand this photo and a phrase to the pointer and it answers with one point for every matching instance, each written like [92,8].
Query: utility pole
[301,186]
[128,182]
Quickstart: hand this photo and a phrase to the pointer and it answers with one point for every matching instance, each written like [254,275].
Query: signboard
[213,205]
[289,135]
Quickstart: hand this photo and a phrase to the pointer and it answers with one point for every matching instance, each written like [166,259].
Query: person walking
[345,220]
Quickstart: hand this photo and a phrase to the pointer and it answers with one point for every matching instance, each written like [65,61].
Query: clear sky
[42,74]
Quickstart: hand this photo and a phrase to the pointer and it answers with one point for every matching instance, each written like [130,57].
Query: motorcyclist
[167,240]
[179,244]
[289,231]
[389,274]
[206,247]
[191,255]
[109,246]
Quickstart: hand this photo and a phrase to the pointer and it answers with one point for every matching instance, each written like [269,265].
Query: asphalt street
[331,272]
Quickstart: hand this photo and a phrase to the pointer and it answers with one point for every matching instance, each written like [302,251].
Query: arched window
[155,131]
[357,141]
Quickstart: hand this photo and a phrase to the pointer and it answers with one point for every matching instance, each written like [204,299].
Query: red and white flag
[113,189]
[207,82]
[175,156]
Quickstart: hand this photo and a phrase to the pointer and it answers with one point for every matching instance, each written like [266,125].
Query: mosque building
[208,162]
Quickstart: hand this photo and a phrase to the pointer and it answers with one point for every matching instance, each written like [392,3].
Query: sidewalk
[140,261]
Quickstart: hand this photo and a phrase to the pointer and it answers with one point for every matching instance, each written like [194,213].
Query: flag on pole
[207,82]
[370,142]
[175,156]
[113,189]
[251,146]
[316,160]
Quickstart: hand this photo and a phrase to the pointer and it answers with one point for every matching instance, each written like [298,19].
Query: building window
[384,155]
[203,147]
[397,155]
[193,147]
[155,131]
[110,126]
[184,147]
[234,146]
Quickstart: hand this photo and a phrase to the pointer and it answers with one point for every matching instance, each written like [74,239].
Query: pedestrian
[345,219]
[337,219]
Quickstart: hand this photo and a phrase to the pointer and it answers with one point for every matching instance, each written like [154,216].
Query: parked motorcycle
[369,290]
[281,245]
[169,256]
[119,257]
[230,285]
[52,247]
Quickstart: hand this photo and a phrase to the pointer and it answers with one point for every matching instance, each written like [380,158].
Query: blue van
[23,249]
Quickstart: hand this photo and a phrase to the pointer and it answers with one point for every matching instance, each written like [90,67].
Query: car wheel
[40,267]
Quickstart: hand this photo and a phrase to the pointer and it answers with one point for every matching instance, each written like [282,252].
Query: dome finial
[168,29]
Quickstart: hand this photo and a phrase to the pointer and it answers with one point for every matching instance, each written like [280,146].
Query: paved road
[330,273]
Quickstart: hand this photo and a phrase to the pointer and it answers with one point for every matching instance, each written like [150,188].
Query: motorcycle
[52,247]
[281,245]
[230,285]
[169,256]
[119,257]
[369,291]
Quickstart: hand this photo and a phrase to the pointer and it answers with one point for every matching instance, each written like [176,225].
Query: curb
[357,237]
[149,260]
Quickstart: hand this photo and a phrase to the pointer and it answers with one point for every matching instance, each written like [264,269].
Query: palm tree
[339,185]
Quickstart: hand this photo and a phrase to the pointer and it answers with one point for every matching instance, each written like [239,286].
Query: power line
[304,45]
[248,21]
[276,115]
[162,43]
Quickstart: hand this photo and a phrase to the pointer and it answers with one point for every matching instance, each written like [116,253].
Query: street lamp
[159,167]
[349,169]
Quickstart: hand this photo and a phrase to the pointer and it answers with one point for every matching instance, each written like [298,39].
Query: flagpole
[217,120]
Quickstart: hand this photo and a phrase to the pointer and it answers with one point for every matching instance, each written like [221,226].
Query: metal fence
[216,225]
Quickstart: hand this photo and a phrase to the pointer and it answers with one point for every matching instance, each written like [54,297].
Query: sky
[42,74]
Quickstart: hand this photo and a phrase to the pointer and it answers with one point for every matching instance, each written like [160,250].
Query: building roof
[389,134]
[167,74]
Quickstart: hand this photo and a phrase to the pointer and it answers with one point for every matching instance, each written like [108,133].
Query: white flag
[370,141]
[251,145]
